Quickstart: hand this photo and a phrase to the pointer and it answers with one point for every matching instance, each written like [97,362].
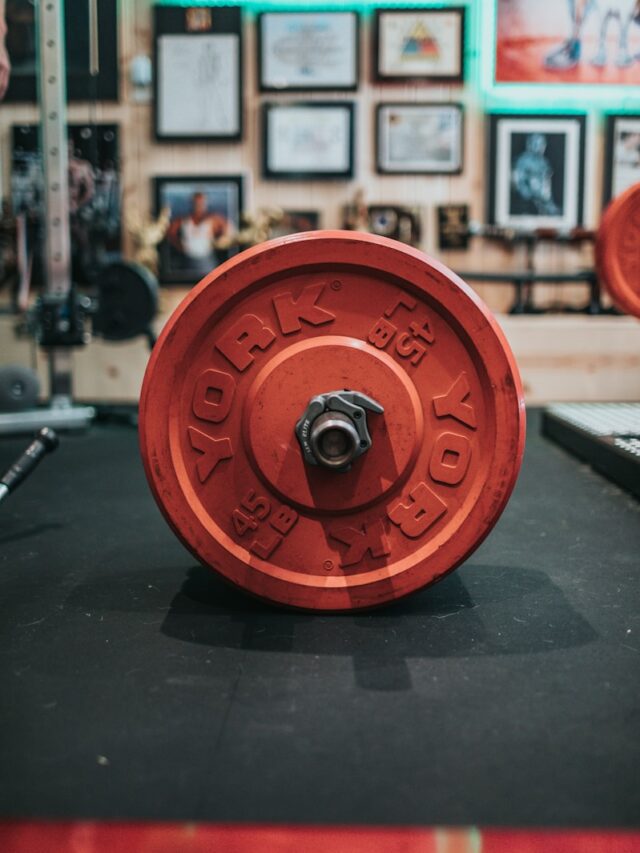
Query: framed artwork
[204,211]
[421,139]
[302,51]
[94,196]
[566,41]
[536,171]
[295,221]
[622,154]
[419,44]
[308,140]
[198,74]
[92,69]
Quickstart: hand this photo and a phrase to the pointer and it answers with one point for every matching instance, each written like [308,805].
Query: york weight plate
[618,250]
[332,420]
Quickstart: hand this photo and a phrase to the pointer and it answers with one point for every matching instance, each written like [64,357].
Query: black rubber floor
[134,684]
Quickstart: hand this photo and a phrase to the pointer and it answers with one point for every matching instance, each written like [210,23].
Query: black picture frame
[382,18]
[382,147]
[177,266]
[295,172]
[225,23]
[309,86]
[613,182]
[553,205]
[81,84]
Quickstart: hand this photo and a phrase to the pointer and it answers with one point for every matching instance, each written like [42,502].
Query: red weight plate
[618,250]
[235,368]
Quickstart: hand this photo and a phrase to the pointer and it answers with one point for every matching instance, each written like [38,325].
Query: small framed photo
[536,171]
[204,211]
[198,74]
[622,155]
[303,51]
[308,140]
[420,139]
[419,44]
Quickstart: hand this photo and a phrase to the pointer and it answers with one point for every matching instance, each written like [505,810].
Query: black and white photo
[536,171]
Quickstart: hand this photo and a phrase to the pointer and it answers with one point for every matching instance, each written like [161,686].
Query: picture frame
[300,51]
[536,171]
[453,227]
[622,154]
[550,43]
[419,138]
[308,140]
[95,216]
[198,74]
[203,209]
[419,44]
[83,83]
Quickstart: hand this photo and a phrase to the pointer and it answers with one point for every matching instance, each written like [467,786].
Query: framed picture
[622,154]
[204,211]
[84,81]
[295,221]
[423,139]
[198,74]
[94,196]
[564,41]
[302,51]
[453,226]
[536,171]
[308,140]
[419,44]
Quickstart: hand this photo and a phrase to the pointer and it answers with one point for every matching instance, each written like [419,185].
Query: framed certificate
[423,139]
[198,79]
[418,44]
[308,140]
[301,51]
[536,171]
